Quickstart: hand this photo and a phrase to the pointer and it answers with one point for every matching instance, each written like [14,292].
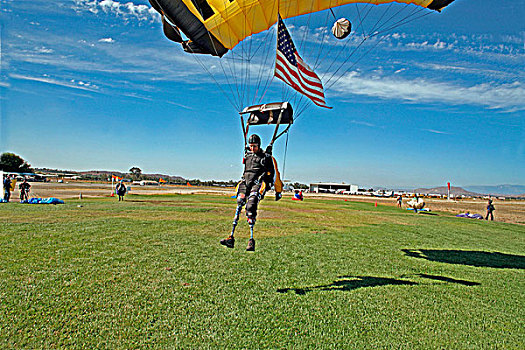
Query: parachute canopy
[216,26]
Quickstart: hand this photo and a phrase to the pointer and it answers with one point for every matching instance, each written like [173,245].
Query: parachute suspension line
[247,62]
[305,32]
[356,61]
[302,102]
[333,14]
[405,20]
[379,20]
[365,37]
[269,77]
[285,153]
[292,94]
[239,107]
[264,74]
[343,49]
[243,78]
[361,20]
[232,102]
[250,58]
[317,61]
[232,66]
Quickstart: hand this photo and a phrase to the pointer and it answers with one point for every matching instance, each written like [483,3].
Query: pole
[448,191]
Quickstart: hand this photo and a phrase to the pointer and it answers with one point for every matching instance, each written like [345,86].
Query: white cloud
[128,10]
[505,97]
[106,40]
[43,50]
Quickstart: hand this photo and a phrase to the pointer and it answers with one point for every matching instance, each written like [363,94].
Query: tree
[14,163]
[136,173]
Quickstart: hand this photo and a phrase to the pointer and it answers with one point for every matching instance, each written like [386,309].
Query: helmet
[255,139]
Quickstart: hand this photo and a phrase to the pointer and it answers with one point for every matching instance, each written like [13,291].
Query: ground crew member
[24,190]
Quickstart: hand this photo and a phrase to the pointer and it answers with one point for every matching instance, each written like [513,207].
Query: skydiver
[257,178]
[121,190]
[24,187]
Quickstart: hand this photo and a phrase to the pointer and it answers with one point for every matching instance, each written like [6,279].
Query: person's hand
[269,149]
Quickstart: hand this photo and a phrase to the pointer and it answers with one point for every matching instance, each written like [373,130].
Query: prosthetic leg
[240,204]
[251,215]
[230,241]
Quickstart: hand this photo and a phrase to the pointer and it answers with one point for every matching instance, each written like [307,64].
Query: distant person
[121,190]
[490,210]
[399,201]
[7,188]
[24,188]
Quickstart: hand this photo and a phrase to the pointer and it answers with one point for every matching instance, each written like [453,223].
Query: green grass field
[149,273]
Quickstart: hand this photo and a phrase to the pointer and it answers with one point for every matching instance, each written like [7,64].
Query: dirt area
[506,211]
[512,211]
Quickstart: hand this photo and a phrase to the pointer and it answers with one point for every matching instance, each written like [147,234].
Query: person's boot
[228,242]
[251,245]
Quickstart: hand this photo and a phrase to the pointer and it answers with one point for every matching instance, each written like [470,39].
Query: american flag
[290,68]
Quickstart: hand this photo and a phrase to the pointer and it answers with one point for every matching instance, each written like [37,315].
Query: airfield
[331,272]
[510,211]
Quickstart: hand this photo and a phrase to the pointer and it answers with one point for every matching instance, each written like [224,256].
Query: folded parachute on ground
[50,200]
[216,26]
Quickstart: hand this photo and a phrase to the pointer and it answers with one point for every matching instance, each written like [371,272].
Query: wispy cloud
[437,131]
[73,84]
[181,105]
[360,122]
[106,40]
[490,95]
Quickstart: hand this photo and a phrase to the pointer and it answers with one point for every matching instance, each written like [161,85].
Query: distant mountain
[108,173]
[146,176]
[507,190]
[457,191]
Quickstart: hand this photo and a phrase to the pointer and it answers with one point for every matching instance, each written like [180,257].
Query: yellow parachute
[215,26]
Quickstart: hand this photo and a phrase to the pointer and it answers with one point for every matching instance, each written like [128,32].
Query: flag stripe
[290,76]
[313,87]
[299,82]
[288,80]
[285,66]
[290,68]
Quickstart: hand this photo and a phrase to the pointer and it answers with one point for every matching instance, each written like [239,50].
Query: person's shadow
[469,257]
[349,283]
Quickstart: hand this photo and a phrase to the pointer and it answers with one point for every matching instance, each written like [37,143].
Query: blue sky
[89,84]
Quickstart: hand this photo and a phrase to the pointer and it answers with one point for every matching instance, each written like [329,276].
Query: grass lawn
[149,273]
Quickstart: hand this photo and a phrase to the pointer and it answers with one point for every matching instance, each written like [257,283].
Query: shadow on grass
[349,283]
[448,279]
[469,257]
